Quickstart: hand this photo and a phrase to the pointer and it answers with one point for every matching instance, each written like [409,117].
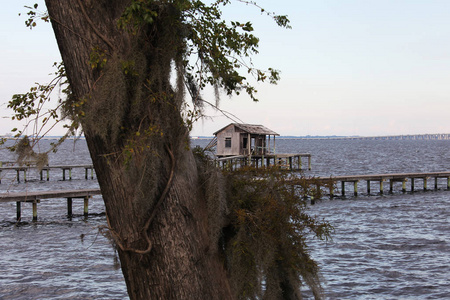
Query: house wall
[228,132]
[256,142]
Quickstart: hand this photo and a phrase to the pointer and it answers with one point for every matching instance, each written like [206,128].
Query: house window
[245,142]
[228,142]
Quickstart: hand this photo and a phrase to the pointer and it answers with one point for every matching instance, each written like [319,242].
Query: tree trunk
[130,114]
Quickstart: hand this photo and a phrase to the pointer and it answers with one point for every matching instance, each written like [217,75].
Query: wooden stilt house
[245,140]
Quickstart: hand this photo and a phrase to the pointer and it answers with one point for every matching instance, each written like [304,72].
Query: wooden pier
[36,197]
[381,179]
[287,161]
[46,169]
[332,182]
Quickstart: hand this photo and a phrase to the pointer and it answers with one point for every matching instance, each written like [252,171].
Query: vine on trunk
[116,237]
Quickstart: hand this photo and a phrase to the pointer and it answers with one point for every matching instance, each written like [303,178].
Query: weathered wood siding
[228,132]
[246,139]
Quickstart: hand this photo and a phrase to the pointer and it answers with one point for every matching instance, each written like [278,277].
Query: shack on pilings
[243,144]
[245,139]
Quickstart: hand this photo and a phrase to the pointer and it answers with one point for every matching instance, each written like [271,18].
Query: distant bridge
[438,136]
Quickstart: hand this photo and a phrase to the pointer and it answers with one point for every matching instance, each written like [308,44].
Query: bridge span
[436,136]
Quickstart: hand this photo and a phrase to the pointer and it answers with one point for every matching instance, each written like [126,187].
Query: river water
[383,247]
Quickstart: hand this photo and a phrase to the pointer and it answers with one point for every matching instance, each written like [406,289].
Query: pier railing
[36,197]
[291,162]
[331,182]
[89,169]
[334,181]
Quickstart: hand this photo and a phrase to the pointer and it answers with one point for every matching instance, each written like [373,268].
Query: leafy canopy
[215,53]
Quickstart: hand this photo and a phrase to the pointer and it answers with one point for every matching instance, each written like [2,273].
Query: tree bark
[156,212]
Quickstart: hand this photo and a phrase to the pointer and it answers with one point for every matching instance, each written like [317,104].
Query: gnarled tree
[120,58]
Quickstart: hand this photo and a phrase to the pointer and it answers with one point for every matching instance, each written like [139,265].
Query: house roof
[250,128]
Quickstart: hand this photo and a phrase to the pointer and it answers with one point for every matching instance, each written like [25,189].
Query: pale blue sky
[348,67]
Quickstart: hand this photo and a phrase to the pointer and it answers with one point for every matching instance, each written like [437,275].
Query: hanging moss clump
[265,242]
[26,155]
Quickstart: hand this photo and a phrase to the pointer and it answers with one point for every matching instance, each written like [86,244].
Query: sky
[348,67]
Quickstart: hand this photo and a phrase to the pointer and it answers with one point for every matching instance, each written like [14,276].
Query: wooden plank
[225,158]
[395,177]
[33,196]
[24,168]
[378,177]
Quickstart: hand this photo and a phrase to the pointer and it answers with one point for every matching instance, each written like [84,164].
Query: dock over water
[36,197]
[287,161]
[332,182]
[381,179]
[44,172]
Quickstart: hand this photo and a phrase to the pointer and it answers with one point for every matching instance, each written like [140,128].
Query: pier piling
[35,198]
[69,207]
[19,210]
[402,177]
[86,206]
[46,169]
[35,211]
[285,161]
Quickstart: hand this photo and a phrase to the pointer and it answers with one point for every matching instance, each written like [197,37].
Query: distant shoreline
[52,137]
[437,136]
